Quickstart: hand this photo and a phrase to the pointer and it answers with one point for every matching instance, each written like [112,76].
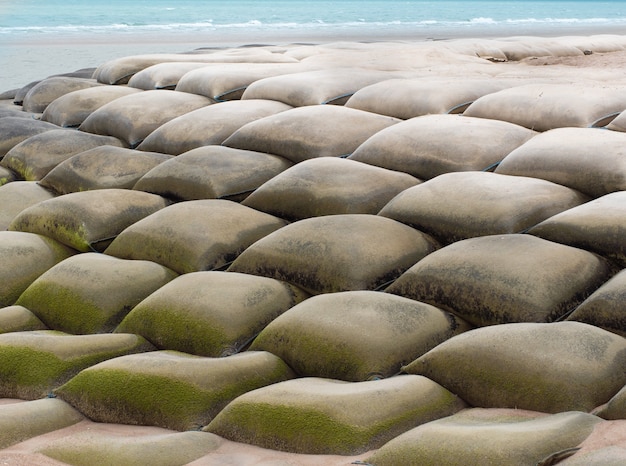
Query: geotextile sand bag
[162,75]
[169,389]
[356,335]
[88,220]
[431,145]
[32,364]
[327,186]
[504,278]
[456,206]
[6,176]
[308,132]
[207,126]
[325,416]
[192,236]
[336,253]
[481,436]
[616,407]
[14,130]
[102,167]
[92,293]
[210,313]
[212,172]
[48,90]
[18,195]
[556,367]
[19,319]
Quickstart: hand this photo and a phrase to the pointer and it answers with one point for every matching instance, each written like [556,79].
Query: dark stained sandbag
[92,293]
[504,278]
[17,196]
[308,132]
[482,436]
[456,206]
[598,226]
[88,220]
[193,236]
[14,130]
[22,421]
[562,366]
[6,176]
[32,364]
[46,91]
[33,158]
[356,335]
[336,253]
[169,389]
[102,167]
[24,257]
[131,118]
[72,109]
[162,75]
[212,172]
[589,160]
[542,107]
[210,313]
[431,145]
[324,416]
[605,307]
[327,186]
[208,126]
[19,319]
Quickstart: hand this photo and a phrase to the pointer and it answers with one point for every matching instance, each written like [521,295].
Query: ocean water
[62,35]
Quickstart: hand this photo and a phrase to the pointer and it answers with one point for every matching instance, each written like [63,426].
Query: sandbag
[92,293]
[33,158]
[210,313]
[87,220]
[162,75]
[551,368]
[207,126]
[103,167]
[131,118]
[324,416]
[432,145]
[169,389]
[212,172]
[356,335]
[46,91]
[193,236]
[19,319]
[616,407]
[456,206]
[328,186]
[585,159]
[14,130]
[32,364]
[6,176]
[336,253]
[308,132]
[504,278]
[17,196]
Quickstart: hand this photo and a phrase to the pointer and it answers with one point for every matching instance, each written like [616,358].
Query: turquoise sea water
[53,36]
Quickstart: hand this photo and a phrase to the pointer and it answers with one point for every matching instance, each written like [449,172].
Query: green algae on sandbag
[167,388]
[550,368]
[18,195]
[356,335]
[324,416]
[504,278]
[24,420]
[32,364]
[92,293]
[487,436]
[328,186]
[7,176]
[336,253]
[210,313]
[25,256]
[88,220]
[19,319]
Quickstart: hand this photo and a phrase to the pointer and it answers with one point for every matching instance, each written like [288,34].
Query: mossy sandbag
[336,253]
[210,313]
[88,220]
[325,416]
[193,236]
[505,278]
[169,389]
[550,368]
[92,293]
[7,176]
[16,196]
[356,335]
[19,319]
[32,364]
[487,436]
